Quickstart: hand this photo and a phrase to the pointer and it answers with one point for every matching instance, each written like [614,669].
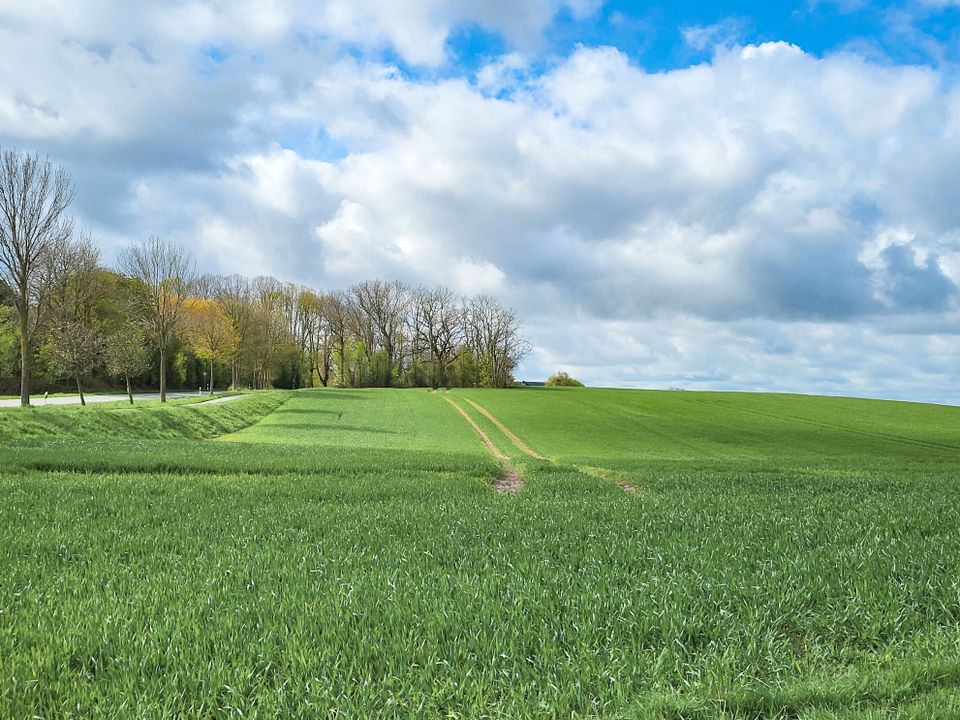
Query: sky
[709,196]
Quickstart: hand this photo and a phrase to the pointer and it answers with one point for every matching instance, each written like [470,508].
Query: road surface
[38,401]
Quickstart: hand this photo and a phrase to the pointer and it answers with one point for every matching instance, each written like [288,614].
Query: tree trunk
[163,375]
[24,359]
[211,374]
[129,391]
[83,402]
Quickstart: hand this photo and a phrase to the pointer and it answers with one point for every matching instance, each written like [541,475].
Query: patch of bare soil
[509,480]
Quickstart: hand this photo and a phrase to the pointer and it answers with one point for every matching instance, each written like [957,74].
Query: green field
[343,554]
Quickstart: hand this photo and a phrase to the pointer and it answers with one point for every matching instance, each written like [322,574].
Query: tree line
[154,320]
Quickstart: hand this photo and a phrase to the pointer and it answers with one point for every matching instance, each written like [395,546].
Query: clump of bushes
[562,379]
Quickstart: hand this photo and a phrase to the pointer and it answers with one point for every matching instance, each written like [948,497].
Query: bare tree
[206,286]
[77,342]
[265,325]
[236,296]
[296,301]
[126,355]
[437,329]
[269,328]
[336,308]
[493,334]
[76,266]
[34,230]
[384,306]
[317,336]
[209,330]
[76,350]
[164,272]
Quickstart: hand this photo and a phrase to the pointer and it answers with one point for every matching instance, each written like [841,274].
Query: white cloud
[478,277]
[416,29]
[503,73]
[723,34]
[741,223]
[354,244]
[854,359]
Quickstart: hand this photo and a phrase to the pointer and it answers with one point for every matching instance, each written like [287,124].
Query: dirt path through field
[609,476]
[600,473]
[509,479]
[518,443]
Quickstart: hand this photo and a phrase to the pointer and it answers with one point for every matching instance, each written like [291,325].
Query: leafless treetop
[34,197]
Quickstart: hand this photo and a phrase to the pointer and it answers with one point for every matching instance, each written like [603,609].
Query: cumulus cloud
[768,219]
[418,30]
[717,191]
[862,359]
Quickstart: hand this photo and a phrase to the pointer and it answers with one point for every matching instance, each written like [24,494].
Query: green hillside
[673,555]
[636,427]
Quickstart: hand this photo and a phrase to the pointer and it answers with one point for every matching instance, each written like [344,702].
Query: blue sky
[740,196]
[653,34]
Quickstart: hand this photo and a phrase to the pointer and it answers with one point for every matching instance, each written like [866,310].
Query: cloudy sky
[743,195]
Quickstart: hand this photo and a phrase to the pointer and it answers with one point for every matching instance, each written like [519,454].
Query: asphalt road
[38,401]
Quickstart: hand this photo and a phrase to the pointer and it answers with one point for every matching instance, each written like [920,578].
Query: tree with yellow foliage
[208,329]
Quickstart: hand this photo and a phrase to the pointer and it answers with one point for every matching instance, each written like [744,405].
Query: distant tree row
[153,319]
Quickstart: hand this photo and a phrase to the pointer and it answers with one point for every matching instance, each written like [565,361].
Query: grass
[36,397]
[630,428]
[146,419]
[344,556]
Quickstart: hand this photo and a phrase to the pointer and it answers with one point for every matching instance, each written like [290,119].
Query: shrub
[562,379]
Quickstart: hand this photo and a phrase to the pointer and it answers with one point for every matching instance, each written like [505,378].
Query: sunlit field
[343,553]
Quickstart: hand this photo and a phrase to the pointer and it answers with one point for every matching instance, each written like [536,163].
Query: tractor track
[517,442]
[509,480]
[599,473]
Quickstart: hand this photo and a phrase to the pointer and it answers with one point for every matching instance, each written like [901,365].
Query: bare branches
[436,324]
[34,197]
[35,232]
[71,288]
[76,350]
[382,308]
[377,333]
[493,335]
[126,355]
[164,272]
[208,328]
[236,297]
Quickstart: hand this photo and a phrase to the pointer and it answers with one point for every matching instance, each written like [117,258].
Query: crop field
[347,554]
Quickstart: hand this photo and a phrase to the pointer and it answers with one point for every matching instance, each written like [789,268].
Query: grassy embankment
[182,418]
[781,557]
